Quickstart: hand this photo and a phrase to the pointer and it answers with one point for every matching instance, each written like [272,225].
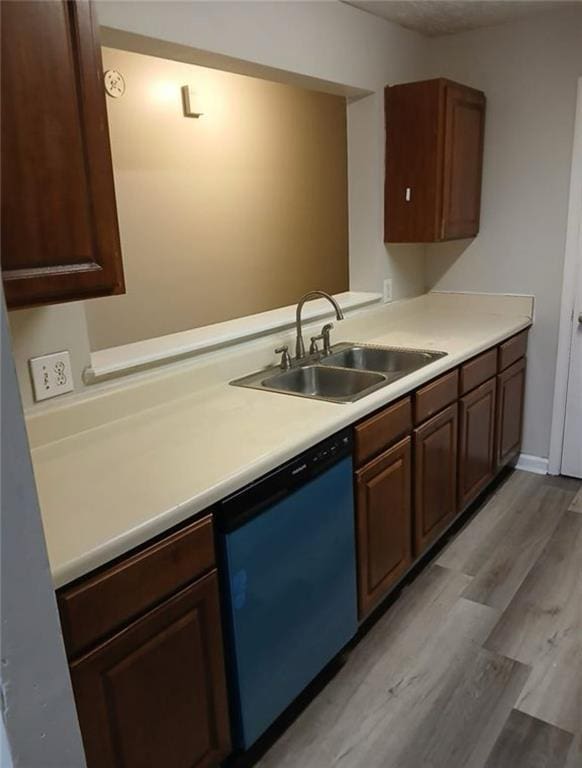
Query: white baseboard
[535,464]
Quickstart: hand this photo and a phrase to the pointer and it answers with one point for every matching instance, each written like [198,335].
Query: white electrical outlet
[51,375]
[387,290]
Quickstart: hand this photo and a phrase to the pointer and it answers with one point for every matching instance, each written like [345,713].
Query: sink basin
[317,381]
[350,372]
[382,359]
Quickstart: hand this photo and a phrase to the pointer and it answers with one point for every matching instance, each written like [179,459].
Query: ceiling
[444,17]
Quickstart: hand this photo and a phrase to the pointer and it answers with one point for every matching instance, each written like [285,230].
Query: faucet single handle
[325,335]
[313,348]
[285,363]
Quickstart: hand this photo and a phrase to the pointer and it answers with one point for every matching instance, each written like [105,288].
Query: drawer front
[435,396]
[106,601]
[512,349]
[477,371]
[378,432]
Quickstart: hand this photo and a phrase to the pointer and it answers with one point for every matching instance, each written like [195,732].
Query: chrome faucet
[299,345]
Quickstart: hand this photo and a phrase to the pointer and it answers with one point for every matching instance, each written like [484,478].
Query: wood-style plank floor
[478,664]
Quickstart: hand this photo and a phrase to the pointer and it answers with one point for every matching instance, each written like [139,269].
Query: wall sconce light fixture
[191,102]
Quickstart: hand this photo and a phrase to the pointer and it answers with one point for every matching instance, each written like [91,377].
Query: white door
[572,450]
[566,438]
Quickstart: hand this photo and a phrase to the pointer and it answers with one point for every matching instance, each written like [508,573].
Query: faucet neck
[299,345]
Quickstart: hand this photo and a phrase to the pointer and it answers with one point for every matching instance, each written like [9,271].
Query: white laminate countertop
[109,483]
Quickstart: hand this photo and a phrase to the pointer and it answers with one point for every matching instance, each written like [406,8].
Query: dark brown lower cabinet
[510,399]
[468,423]
[155,693]
[476,441]
[384,522]
[435,477]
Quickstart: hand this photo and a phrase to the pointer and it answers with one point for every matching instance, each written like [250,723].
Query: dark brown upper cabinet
[60,239]
[434,154]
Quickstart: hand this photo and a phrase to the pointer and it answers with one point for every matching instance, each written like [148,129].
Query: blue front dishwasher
[289,581]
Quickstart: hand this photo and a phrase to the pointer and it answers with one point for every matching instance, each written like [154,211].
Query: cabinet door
[155,694]
[412,191]
[384,523]
[476,441]
[510,398]
[435,477]
[60,239]
[463,160]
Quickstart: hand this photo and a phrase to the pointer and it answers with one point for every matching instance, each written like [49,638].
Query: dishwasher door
[290,596]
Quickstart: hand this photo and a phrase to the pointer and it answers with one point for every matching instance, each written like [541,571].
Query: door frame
[572,264]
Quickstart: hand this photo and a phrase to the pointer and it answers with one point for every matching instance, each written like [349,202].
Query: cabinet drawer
[111,598]
[378,432]
[512,349]
[435,396]
[477,371]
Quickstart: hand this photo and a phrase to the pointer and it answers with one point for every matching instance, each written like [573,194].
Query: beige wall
[330,41]
[43,330]
[237,212]
[528,70]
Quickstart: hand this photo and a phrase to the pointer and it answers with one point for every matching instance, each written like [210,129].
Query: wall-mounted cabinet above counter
[60,239]
[434,153]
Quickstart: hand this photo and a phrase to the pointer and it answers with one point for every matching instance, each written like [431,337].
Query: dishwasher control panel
[331,449]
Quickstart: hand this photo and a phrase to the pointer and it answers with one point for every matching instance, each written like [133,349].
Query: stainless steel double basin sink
[349,372]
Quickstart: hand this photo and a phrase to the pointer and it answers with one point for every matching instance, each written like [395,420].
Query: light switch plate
[51,375]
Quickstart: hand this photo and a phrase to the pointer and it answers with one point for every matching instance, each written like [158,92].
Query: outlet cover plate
[51,375]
